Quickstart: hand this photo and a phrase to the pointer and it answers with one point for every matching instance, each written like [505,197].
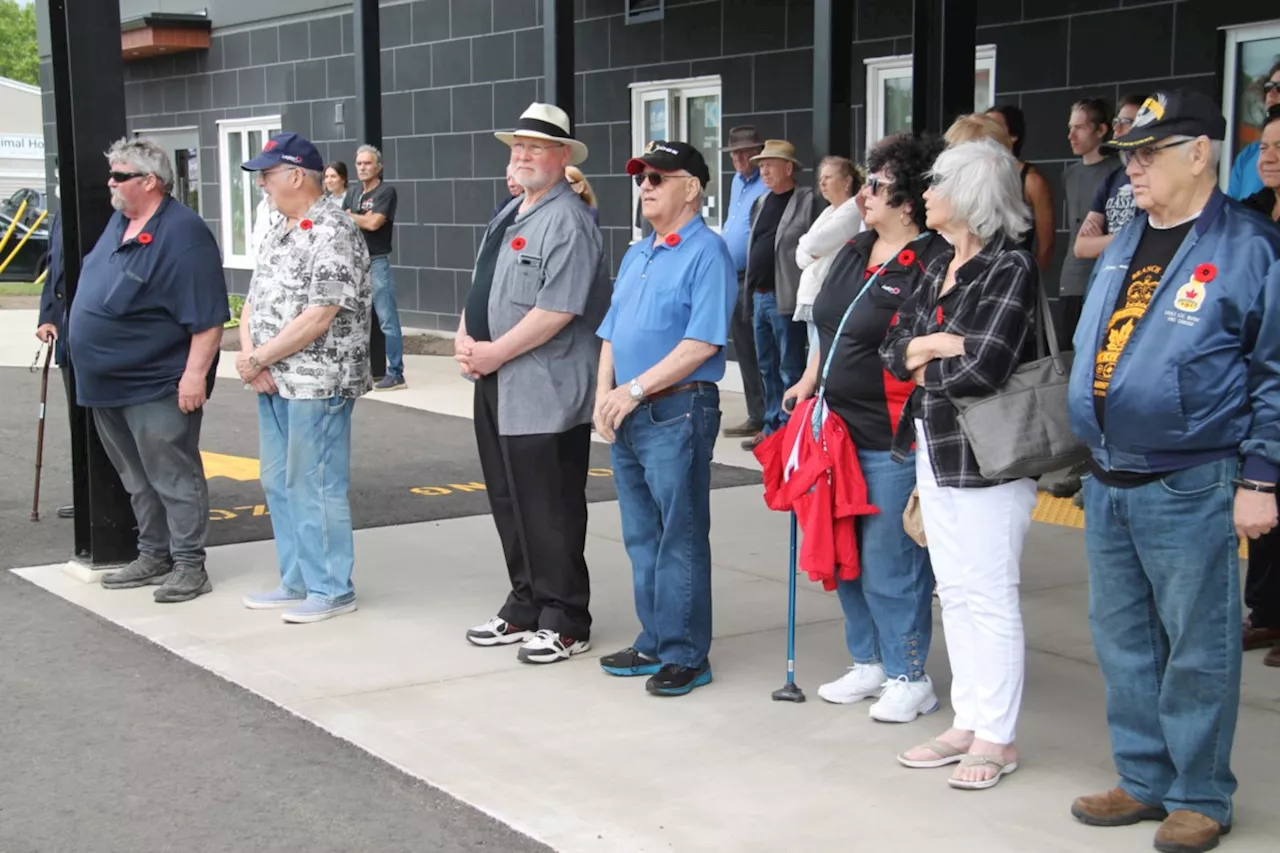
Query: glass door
[1251,51]
[183,147]
[701,115]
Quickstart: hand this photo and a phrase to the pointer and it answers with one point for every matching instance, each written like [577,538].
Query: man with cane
[658,404]
[53,315]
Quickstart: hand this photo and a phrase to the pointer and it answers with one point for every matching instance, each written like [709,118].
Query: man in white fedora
[779,219]
[527,339]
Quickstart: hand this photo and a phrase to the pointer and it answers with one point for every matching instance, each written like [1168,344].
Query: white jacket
[834,227]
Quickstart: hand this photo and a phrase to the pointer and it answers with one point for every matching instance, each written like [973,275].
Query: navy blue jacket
[1197,381]
[53,299]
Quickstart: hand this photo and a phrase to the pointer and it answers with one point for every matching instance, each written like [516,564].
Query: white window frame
[688,87]
[267,126]
[883,68]
[1235,36]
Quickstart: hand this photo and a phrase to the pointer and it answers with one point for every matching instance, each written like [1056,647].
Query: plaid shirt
[991,306]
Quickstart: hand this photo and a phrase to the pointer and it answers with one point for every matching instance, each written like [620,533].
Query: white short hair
[980,180]
[1215,149]
[369,149]
[142,155]
[315,177]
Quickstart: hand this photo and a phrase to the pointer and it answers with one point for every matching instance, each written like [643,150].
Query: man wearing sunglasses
[1244,180]
[657,403]
[1180,408]
[144,332]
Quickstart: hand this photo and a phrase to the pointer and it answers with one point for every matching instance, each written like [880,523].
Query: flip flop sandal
[947,754]
[982,761]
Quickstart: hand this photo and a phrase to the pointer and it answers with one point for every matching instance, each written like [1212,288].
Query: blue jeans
[384,304]
[888,610]
[780,343]
[662,469]
[1164,605]
[305,453]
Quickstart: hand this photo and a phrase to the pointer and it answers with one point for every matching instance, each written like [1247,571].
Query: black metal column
[943,40]
[557,51]
[369,127]
[88,72]
[832,79]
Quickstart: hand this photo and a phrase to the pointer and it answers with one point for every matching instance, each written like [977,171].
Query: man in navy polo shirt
[657,402]
[145,327]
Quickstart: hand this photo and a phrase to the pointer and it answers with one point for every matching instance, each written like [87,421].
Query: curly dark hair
[907,159]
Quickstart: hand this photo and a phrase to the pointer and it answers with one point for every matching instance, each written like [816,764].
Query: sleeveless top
[1029,240]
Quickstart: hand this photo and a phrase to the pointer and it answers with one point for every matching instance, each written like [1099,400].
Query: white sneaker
[862,681]
[902,700]
[497,632]
[549,647]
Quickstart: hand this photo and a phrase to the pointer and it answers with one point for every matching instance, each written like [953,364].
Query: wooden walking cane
[44,395]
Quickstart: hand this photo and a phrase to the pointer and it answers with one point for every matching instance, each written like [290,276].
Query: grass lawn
[19,288]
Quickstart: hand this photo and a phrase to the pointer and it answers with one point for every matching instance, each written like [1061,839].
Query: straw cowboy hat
[744,137]
[778,149]
[545,121]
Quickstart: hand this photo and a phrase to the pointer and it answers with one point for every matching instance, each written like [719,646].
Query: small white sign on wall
[21,146]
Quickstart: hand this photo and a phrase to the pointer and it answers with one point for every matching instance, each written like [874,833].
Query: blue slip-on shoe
[273,600]
[316,610]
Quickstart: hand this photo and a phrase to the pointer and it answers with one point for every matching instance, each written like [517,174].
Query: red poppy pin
[305,224]
[893,321]
[1206,273]
[906,257]
[672,240]
[939,315]
[144,238]
[518,244]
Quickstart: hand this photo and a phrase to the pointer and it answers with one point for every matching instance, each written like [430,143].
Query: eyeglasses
[121,177]
[655,178]
[1119,122]
[536,149]
[1271,86]
[1147,156]
[875,182]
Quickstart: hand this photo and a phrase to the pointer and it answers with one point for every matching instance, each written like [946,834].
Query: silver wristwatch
[637,391]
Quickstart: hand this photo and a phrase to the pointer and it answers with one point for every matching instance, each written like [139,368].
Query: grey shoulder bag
[1022,430]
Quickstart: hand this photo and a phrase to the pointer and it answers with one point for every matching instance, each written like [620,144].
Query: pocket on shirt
[526,281]
[123,293]
[658,306]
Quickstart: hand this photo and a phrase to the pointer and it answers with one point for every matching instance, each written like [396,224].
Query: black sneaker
[497,632]
[391,383]
[184,583]
[144,571]
[675,680]
[630,662]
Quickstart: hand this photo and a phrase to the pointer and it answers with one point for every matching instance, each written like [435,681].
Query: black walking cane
[44,395]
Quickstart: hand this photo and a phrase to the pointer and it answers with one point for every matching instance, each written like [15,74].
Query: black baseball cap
[671,157]
[1177,112]
[290,148]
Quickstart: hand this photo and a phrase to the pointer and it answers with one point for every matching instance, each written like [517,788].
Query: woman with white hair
[960,335]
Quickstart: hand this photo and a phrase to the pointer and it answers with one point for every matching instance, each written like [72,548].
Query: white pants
[975,543]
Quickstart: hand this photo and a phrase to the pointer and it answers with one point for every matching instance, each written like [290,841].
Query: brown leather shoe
[1186,831]
[746,429]
[1259,638]
[1113,808]
[1273,657]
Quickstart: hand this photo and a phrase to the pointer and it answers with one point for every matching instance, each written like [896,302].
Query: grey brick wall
[455,70]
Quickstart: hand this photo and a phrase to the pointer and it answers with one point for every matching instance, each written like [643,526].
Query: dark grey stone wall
[453,71]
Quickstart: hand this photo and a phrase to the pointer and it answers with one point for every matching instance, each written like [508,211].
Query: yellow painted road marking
[240,468]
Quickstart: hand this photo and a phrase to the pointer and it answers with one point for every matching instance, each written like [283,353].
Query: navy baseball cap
[1177,112]
[671,157]
[288,148]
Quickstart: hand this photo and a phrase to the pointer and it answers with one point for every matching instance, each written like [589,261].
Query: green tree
[19,55]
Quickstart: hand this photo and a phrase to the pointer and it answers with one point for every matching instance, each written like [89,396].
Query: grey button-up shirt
[559,266]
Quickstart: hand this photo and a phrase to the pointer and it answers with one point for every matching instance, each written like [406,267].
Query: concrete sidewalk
[585,762]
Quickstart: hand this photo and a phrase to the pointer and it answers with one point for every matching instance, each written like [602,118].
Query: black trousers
[537,491]
[1071,308]
[743,330]
[1262,582]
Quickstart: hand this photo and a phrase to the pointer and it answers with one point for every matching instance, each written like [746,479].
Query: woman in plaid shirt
[961,334]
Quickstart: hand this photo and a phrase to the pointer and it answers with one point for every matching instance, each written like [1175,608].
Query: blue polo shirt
[737,228]
[138,303]
[668,293]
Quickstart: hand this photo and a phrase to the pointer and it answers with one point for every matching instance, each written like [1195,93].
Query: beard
[117,200]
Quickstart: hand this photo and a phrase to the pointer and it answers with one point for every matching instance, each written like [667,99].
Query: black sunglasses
[655,178]
[1271,86]
[121,177]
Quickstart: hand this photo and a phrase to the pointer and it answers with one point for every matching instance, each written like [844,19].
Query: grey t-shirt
[1081,182]
[551,257]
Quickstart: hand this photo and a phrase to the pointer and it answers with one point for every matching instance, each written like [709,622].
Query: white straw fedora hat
[545,121]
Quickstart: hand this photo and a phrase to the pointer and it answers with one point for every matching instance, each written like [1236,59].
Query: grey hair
[314,177]
[980,180]
[144,156]
[369,149]
[1215,150]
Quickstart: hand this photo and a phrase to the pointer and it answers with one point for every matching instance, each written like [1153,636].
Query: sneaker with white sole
[902,700]
[497,632]
[862,681]
[551,647]
[316,610]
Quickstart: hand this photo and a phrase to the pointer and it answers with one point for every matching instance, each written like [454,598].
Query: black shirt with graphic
[380,199]
[477,310]
[760,263]
[1155,250]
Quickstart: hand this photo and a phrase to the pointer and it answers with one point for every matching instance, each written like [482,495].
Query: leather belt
[676,389]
